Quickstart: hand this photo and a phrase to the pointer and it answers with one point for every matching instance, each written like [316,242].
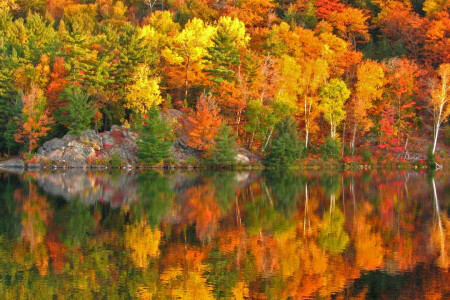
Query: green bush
[224,151]
[155,140]
[366,155]
[330,149]
[115,161]
[286,146]
[431,159]
[447,135]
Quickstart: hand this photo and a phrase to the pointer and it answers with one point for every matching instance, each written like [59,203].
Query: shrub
[330,149]
[286,146]
[447,136]
[431,159]
[115,161]
[367,155]
[224,151]
[155,140]
[193,161]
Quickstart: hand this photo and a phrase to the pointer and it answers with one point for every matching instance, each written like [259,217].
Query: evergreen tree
[223,56]
[156,139]
[286,146]
[224,152]
[330,149]
[11,128]
[80,110]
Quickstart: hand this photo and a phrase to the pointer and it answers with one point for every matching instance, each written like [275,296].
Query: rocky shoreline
[116,148]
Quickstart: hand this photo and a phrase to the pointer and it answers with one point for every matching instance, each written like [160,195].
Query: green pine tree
[286,146]
[224,152]
[80,110]
[221,58]
[155,140]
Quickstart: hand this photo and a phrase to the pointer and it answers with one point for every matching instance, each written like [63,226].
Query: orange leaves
[351,25]
[57,84]
[203,124]
[324,8]
[35,119]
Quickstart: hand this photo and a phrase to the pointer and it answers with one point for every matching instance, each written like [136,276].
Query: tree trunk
[267,141]
[186,83]
[343,139]
[354,137]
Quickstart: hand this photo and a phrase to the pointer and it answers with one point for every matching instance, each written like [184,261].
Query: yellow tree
[144,92]
[369,87]
[315,72]
[439,101]
[334,94]
[189,48]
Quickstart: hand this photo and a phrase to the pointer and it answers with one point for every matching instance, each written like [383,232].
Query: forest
[348,79]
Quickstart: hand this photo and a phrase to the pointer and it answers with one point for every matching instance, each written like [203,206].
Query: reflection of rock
[90,187]
[12,164]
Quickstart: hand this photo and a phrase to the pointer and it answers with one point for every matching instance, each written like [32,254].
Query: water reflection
[235,235]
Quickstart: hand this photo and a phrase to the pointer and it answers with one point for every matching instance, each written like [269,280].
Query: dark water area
[224,235]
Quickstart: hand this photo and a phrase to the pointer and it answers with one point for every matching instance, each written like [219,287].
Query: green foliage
[156,139]
[80,110]
[431,159]
[224,152]
[447,136]
[156,197]
[115,161]
[333,237]
[330,149]
[366,155]
[286,146]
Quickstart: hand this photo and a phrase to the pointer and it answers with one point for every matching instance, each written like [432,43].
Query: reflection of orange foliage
[203,210]
[368,245]
[37,214]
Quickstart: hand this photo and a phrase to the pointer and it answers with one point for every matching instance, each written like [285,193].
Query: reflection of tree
[285,187]
[203,210]
[156,197]
[443,259]
[333,237]
[261,215]
[79,224]
[143,241]
[225,187]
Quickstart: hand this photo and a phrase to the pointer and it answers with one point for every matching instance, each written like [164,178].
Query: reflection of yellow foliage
[186,285]
[240,291]
[368,245]
[143,242]
[144,293]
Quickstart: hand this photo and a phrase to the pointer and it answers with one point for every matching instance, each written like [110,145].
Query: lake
[230,235]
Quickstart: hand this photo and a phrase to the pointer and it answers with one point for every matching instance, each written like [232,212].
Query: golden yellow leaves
[144,92]
[143,242]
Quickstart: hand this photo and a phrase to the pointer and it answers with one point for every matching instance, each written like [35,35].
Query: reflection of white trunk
[332,202]
[343,195]
[441,231]
[306,216]
[352,189]
[238,213]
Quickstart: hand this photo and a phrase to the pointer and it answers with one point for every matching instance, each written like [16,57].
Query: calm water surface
[231,235]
